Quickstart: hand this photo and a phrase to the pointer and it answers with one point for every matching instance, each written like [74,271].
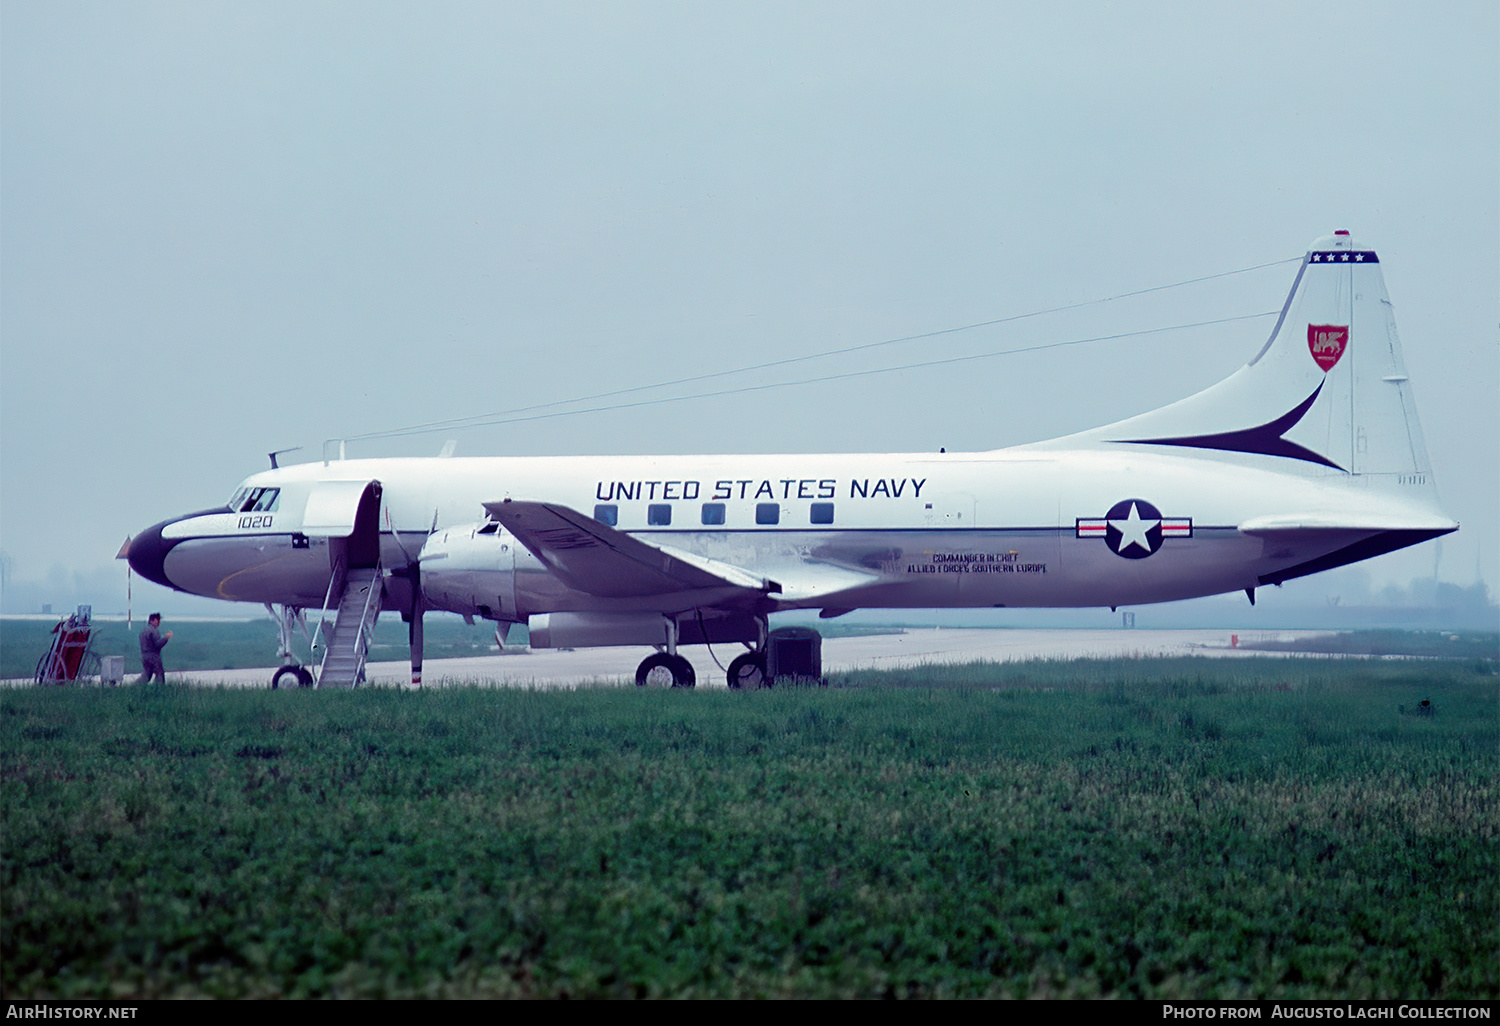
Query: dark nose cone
[148,550]
[148,553]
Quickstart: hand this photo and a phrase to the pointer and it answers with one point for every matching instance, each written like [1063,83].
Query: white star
[1133,530]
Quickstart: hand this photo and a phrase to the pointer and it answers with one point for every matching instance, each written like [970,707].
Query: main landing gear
[747,672]
[664,670]
[667,668]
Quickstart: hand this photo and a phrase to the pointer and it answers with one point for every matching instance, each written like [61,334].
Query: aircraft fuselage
[1006,528]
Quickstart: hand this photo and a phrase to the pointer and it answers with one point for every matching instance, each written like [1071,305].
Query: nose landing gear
[290,676]
[290,673]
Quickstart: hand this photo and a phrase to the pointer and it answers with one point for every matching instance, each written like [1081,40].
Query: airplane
[1307,458]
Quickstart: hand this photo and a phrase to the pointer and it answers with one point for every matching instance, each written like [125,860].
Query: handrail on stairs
[366,631]
[360,643]
[335,581]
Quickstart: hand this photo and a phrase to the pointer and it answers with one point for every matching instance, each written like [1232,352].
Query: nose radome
[148,554]
[148,550]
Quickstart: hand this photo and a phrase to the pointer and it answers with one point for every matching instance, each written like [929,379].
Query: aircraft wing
[598,560]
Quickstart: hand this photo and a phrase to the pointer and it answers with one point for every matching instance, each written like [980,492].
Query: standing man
[152,642]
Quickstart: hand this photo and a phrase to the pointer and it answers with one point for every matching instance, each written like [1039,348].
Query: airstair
[347,645]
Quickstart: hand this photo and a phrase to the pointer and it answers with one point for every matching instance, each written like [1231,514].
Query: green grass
[1157,828]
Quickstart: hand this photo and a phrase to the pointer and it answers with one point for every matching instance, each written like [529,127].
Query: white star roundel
[1134,528]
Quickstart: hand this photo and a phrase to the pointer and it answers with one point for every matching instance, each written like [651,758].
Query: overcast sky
[229,228]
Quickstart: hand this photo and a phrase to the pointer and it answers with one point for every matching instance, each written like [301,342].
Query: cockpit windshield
[255,500]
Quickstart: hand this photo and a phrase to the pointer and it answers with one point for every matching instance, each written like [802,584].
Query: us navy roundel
[1133,528]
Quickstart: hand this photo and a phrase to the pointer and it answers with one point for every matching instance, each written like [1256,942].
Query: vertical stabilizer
[1327,394]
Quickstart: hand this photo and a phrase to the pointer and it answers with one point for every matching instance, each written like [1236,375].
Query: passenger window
[658,514]
[609,515]
[822,512]
[768,513]
[713,513]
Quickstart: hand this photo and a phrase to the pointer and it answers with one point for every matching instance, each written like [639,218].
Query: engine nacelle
[471,569]
[590,630]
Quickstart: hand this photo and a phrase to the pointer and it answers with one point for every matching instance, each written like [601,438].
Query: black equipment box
[794,652]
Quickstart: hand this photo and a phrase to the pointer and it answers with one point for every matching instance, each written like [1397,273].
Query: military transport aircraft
[1309,457]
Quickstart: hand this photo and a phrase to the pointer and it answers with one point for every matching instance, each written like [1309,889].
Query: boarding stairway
[347,645]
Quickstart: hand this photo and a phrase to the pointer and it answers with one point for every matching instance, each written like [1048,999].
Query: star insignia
[1133,530]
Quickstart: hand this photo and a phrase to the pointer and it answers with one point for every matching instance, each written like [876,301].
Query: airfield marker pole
[124,554]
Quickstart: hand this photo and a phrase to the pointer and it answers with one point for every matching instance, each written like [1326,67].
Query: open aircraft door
[347,513]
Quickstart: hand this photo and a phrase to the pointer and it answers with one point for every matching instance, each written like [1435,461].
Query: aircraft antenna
[499,417]
[503,418]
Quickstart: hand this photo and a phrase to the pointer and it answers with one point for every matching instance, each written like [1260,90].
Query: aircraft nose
[148,554]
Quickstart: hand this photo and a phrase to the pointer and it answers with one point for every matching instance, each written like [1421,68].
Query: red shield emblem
[1327,343]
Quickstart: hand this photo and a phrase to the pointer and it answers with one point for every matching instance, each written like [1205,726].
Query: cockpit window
[255,500]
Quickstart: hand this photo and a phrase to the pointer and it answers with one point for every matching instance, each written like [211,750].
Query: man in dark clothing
[152,642]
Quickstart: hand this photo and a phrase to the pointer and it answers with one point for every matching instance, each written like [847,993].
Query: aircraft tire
[747,672]
[287,674]
[681,671]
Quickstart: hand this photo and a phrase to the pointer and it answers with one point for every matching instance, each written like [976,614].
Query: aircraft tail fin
[1327,394]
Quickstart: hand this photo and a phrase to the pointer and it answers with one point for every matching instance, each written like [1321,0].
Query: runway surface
[543,668]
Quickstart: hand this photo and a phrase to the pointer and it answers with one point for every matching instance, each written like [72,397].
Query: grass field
[1155,828]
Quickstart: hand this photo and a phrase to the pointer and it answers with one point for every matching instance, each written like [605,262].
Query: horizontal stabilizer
[599,560]
[1343,521]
